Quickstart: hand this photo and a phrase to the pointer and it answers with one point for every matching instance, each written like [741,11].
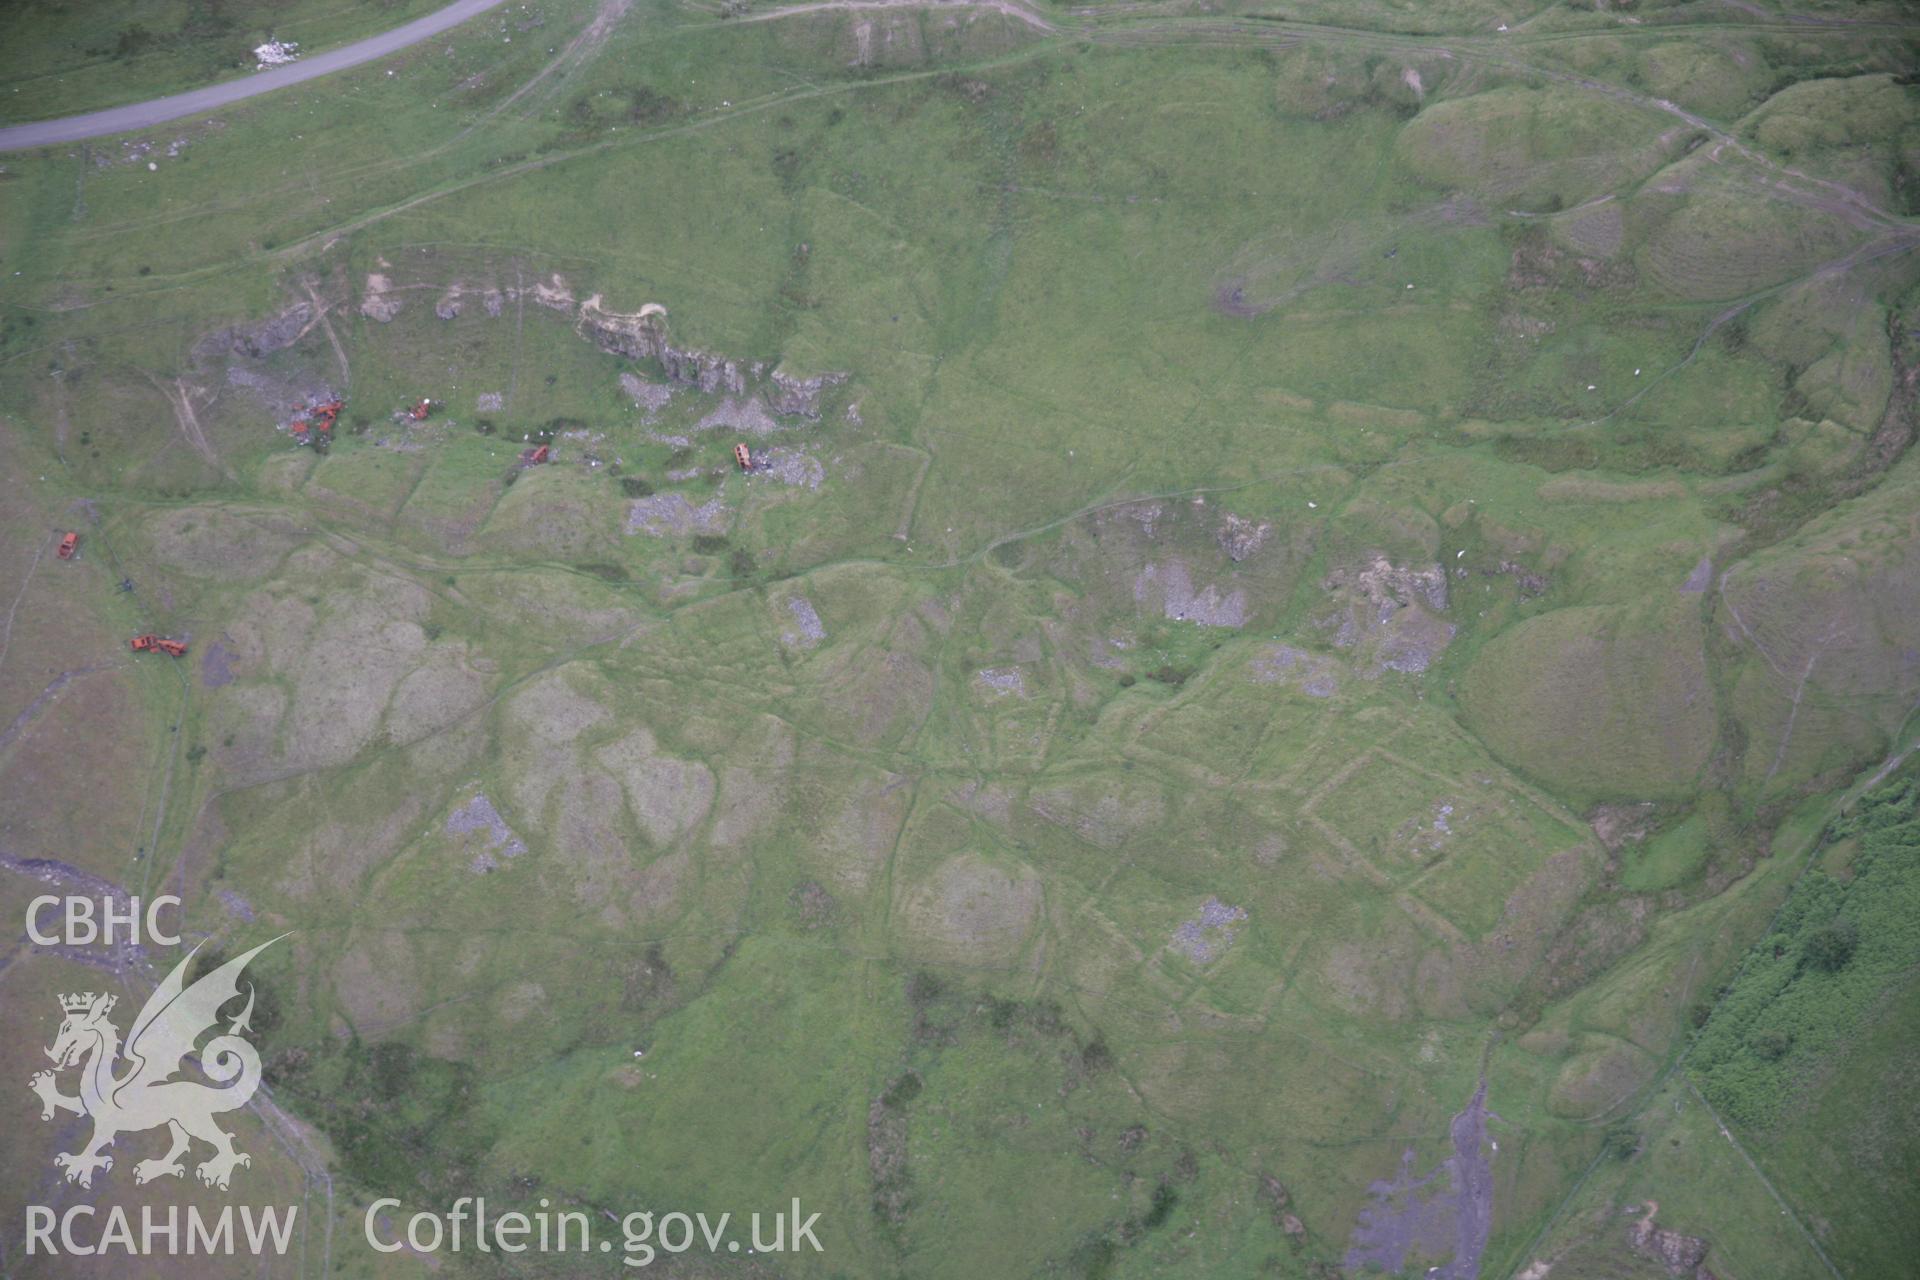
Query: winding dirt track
[1010,8]
[142,115]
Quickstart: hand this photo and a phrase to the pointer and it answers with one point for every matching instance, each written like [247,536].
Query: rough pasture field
[1318,591]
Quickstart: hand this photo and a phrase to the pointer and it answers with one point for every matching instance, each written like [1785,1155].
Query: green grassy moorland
[1306,559]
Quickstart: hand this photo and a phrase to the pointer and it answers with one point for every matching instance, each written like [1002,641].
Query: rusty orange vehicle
[535,456]
[743,456]
[321,423]
[68,545]
[157,644]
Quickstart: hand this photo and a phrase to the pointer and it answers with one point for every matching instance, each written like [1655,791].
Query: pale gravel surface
[479,814]
[1003,680]
[812,631]
[748,415]
[1210,932]
[666,514]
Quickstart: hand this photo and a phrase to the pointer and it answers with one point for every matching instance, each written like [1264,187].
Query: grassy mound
[1599,701]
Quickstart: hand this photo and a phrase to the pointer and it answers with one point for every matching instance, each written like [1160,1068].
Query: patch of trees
[1811,986]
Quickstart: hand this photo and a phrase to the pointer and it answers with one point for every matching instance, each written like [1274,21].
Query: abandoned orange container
[743,456]
[535,456]
[68,545]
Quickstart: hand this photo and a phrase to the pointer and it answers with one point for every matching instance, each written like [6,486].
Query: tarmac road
[143,115]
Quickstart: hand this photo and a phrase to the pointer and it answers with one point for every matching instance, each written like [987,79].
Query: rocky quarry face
[1240,537]
[642,335]
[636,335]
[801,396]
[1389,614]
[272,334]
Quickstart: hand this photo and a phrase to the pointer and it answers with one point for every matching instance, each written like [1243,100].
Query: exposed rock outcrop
[1240,536]
[380,300]
[638,335]
[1389,613]
[1384,581]
[642,335]
[797,396]
[270,335]
[1681,1255]
[703,369]
[553,293]
[635,335]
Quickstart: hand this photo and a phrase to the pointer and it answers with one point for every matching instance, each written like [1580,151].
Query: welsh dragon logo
[146,1094]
